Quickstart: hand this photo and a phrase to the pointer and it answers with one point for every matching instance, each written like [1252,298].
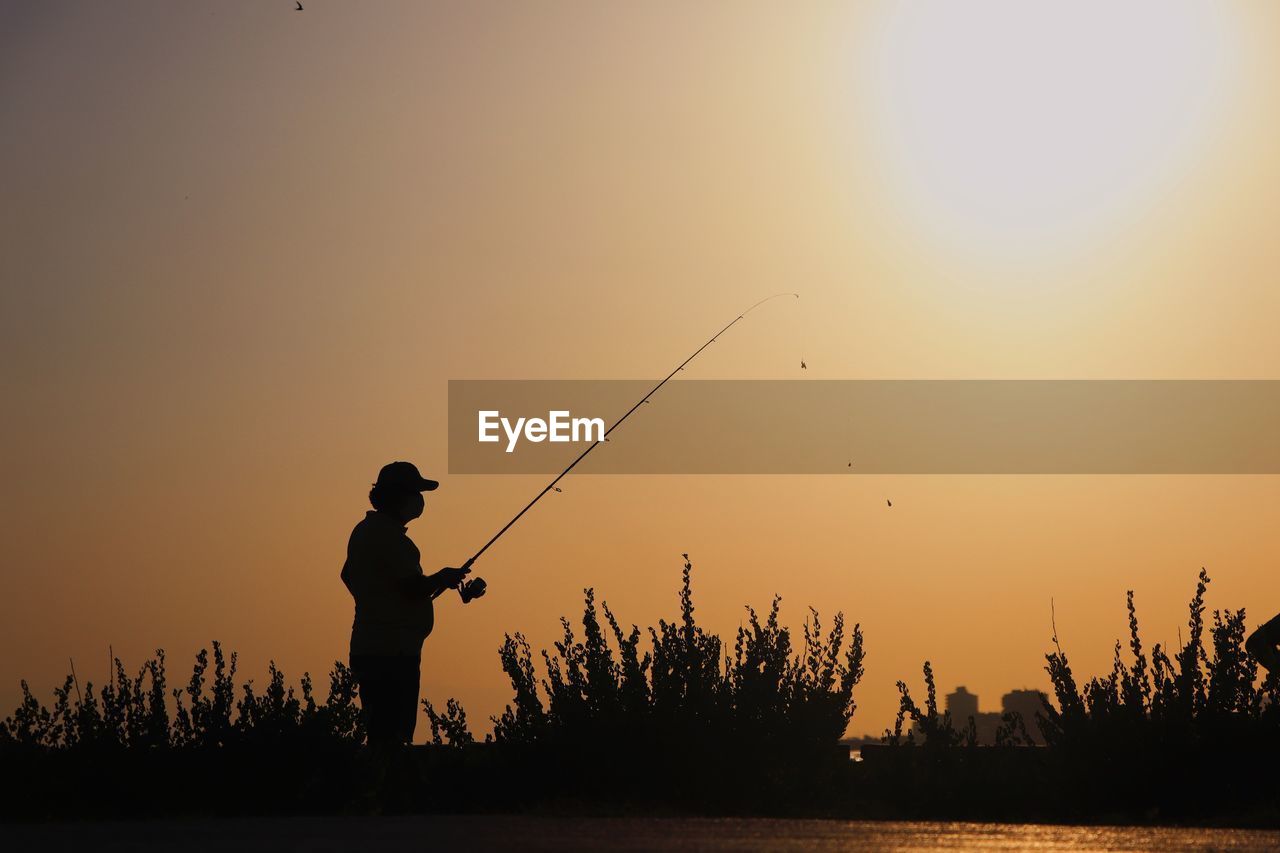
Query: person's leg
[401,783]
[378,680]
[409,678]
[376,677]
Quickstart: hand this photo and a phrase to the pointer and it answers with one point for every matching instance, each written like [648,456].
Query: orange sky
[243,249]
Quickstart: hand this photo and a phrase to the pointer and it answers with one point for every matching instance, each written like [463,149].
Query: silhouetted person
[1263,645]
[394,610]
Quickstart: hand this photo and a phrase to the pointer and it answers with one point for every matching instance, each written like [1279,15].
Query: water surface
[473,832]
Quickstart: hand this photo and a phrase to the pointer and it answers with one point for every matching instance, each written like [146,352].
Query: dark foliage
[683,719]
[614,718]
[681,722]
[133,747]
[1186,736]
[134,713]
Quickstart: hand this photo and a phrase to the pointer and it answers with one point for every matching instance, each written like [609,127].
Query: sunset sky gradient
[243,249]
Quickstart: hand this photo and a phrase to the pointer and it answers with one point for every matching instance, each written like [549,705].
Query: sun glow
[1018,127]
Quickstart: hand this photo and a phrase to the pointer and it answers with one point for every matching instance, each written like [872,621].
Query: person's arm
[1262,644]
[430,586]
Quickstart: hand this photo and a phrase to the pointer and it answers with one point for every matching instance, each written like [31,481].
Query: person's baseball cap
[404,477]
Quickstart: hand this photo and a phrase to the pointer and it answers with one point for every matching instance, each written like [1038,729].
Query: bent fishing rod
[475,588]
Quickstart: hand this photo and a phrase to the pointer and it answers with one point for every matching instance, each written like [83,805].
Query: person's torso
[380,558]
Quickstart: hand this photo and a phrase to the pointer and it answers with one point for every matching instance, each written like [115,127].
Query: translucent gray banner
[868,427]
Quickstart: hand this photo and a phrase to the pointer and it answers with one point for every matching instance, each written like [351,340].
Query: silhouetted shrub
[682,710]
[1198,696]
[132,748]
[1173,736]
[937,730]
[133,712]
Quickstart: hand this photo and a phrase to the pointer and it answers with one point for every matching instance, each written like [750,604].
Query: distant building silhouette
[1027,703]
[963,706]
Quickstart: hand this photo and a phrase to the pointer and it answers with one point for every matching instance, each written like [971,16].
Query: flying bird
[803,366]
[299,9]
[557,488]
[890,503]
[850,464]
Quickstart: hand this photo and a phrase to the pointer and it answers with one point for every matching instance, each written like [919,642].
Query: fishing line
[552,485]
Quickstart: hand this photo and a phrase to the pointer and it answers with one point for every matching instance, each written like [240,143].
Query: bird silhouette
[803,366]
[850,464]
[557,488]
[299,9]
[890,503]
[686,556]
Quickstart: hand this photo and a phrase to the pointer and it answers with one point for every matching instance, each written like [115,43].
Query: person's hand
[451,577]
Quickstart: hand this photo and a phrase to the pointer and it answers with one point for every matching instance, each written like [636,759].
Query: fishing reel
[472,589]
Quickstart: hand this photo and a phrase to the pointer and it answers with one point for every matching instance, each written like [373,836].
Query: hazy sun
[1019,125]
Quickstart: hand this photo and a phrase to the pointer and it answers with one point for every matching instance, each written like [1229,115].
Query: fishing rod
[475,588]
